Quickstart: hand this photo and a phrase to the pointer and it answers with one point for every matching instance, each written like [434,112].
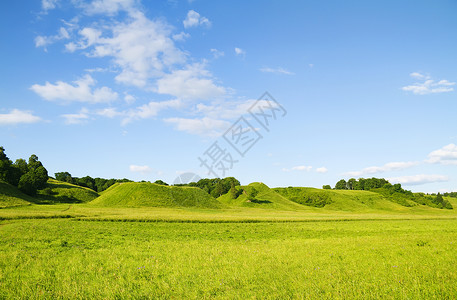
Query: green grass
[11,196]
[142,240]
[62,192]
[388,259]
[134,194]
[266,198]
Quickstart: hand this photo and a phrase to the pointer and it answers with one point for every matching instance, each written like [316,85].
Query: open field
[66,258]
[150,241]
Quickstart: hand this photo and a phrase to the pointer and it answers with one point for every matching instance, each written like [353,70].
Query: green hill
[265,198]
[137,194]
[11,196]
[63,192]
[346,200]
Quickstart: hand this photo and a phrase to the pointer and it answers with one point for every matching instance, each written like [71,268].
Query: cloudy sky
[151,89]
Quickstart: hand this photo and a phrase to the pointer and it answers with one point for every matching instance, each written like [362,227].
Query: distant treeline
[217,187]
[96,184]
[451,194]
[393,191]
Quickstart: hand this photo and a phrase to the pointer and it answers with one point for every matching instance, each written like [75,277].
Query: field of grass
[389,259]
[142,240]
[10,196]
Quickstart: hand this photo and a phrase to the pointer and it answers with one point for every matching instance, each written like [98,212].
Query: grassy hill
[138,194]
[63,192]
[265,198]
[350,200]
[55,192]
[11,196]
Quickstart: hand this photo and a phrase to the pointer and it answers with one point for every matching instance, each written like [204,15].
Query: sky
[289,93]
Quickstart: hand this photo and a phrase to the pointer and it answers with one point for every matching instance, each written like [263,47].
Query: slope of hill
[346,200]
[137,194]
[265,198]
[11,196]
[63,192]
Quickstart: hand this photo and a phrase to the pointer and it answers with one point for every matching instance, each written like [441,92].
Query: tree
[327,187]
[351,184]
[160,182]
[40,176]
[64,176]
[34,163]
[218,189]
[341,185]
[5,166]
[234,192]
[252,194]
[27,184]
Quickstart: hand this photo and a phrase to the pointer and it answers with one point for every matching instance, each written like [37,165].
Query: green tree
[21,164]
[40,176]
[252,194]
[64,176]
[327,187]
[27,184]
[34,163]
[351,184]
[160,182]
[5,166]
[341,185]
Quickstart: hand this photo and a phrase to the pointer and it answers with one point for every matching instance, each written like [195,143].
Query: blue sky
[143,89]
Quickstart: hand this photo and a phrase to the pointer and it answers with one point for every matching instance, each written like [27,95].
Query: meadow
[144,241]
[78,259]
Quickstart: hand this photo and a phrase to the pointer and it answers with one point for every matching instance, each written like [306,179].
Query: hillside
[265,198]
[63,192]
[349,200]
[140,194]
[11,196]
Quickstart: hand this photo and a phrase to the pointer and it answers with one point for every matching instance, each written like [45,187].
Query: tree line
[28,176]
[96,184]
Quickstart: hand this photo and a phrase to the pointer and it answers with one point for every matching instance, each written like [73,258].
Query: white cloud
[48,4]
[182,36]
[80,91]
[224,109]
[418,179]
[78,118]
[298,168]
[420,76]
[141,48]
[17,116]
[203,127]
[194,19]
[140,169]
[43,41]
[446,155]
[108,7]
[216,53]
[276,71]
[109,112]
[129,99]
[193,82]
[149,110]
[428,85]
[392,166]
[322,170]
[239,51]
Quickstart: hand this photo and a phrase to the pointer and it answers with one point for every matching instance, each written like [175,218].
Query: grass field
[389,259]
[149,241]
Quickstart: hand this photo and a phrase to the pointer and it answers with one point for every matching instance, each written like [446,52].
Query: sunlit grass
[391,259]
